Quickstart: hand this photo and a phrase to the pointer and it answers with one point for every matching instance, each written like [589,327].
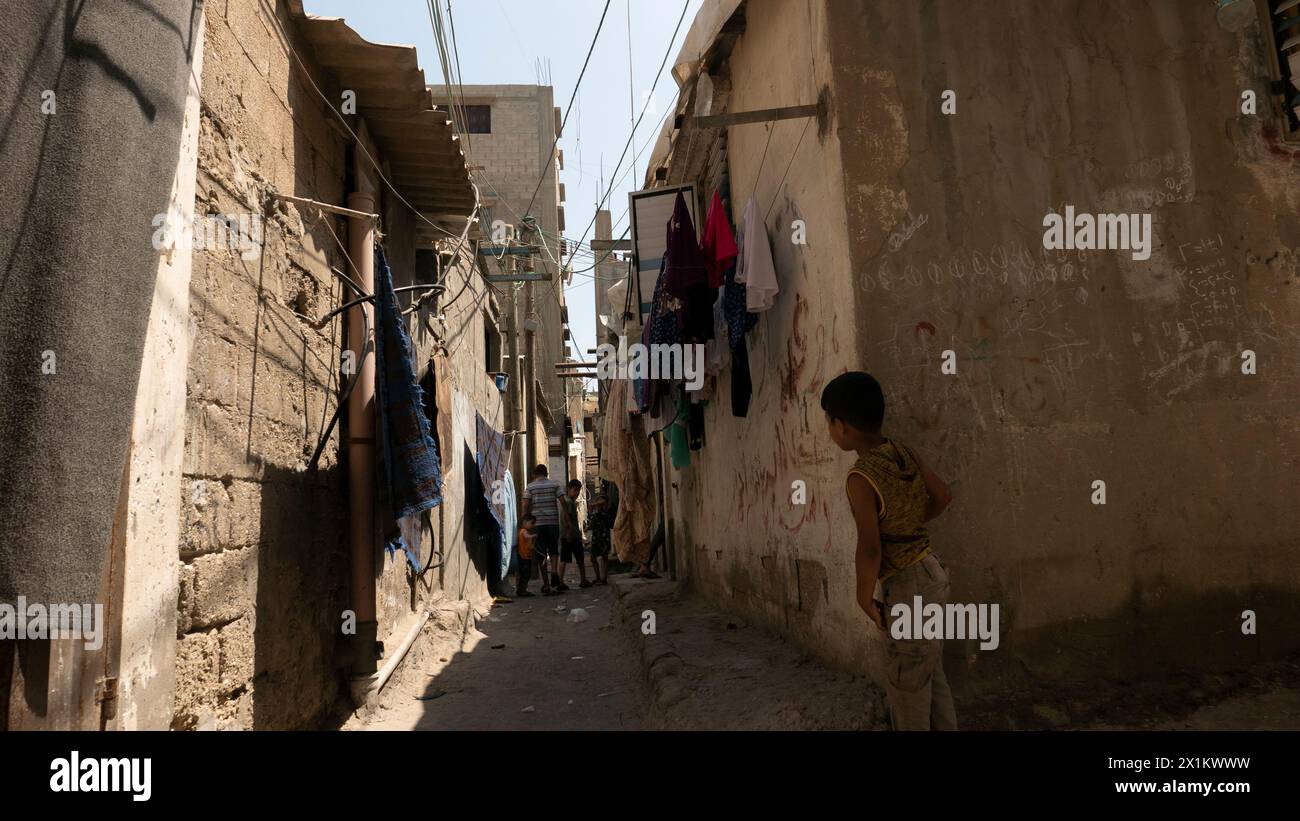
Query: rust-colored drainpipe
[361,437]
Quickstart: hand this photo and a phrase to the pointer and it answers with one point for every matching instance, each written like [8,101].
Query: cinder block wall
[1071,367]
[264,565]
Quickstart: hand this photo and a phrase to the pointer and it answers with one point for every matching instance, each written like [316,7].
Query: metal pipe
[333,209]
[391,665]
[361,435]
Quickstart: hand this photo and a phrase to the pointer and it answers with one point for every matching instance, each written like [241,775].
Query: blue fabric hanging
[411,473]
[491,458]
[510,526]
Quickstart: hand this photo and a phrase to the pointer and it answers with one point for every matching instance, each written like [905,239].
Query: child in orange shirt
[527,557]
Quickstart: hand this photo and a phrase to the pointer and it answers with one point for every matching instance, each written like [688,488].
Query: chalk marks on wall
[989,268]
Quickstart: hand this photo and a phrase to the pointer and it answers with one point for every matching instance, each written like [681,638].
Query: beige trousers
[919,696]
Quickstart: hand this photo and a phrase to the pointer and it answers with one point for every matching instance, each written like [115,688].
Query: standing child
[571,534]
[892,494]
[528,556]
[598,524]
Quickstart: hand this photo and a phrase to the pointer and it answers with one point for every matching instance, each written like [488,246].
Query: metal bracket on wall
[819,109]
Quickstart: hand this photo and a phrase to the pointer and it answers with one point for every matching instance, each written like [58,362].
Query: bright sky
[523,41]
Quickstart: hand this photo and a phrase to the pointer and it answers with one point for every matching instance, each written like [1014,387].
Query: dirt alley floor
[526,665]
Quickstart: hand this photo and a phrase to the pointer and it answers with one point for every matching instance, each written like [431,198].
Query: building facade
[907,232]
[253,581]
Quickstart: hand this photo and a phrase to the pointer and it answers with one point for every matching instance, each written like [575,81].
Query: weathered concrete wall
[736,532]
[264,569]
[263,580]
[147,667]
[1072,367]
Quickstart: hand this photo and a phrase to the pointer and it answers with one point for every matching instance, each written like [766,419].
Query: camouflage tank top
[894,473]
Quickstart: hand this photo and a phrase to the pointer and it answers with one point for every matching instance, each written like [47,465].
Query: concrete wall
[155,486]
[736,533]
[264,569]
[264,562]
[925,234]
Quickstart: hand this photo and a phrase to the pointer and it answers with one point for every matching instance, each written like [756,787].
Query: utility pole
[515,407]
[530,373]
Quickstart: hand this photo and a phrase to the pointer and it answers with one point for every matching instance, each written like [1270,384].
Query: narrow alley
[527,665]
[405,370]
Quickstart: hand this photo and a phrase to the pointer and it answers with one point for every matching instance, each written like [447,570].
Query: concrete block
[236,653]
[222,587]
[197,677]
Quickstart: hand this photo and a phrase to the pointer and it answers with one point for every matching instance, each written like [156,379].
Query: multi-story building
[509,135]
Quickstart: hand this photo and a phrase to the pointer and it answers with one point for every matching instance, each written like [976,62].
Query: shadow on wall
[302,583]
[1160,632]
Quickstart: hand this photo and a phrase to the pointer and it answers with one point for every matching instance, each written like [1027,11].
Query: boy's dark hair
[575,483]
[540,470]
[856,399]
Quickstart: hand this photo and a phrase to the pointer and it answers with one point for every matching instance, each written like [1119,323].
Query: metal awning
[423,154]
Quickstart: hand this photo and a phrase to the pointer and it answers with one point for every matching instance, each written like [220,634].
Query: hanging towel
[625,460]
[490,456]
[755,268]
[410,476]
[718,244]
[511,524]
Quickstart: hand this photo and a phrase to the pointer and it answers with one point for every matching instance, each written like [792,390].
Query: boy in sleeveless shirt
[892,494]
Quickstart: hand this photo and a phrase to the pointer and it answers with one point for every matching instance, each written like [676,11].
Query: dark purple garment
[686,276]
[684,269]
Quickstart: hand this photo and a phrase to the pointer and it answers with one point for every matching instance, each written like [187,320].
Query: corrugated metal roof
[426,163]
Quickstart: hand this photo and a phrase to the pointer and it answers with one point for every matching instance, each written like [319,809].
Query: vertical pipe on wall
[361,437]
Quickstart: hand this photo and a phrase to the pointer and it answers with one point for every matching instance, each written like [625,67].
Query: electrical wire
[361,145]
[631,137]
[793,154]
[569,108]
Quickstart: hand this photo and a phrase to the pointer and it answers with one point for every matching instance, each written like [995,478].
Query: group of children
[550,537]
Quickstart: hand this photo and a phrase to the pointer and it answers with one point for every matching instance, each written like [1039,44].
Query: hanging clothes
[510,520]
[718,244]
[716,349]
[490,456]
[720,251]
[409,468]
[684,266]
[685,276]
[738,320]
[755,268]
[679,450]
[662,328]
[742,385]
[625,460]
